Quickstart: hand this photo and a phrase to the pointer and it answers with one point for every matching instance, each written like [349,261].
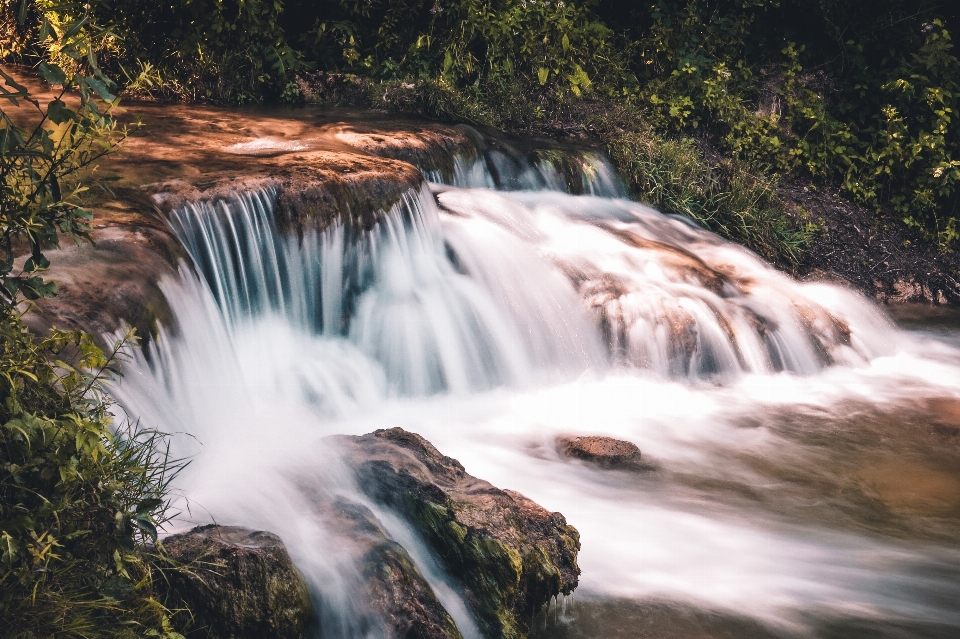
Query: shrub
[77,501]
[79,498]
[676,176]
[861,94]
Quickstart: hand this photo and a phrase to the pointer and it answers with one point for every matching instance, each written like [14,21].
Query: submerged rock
[239,584]
[604,451]
[510,555]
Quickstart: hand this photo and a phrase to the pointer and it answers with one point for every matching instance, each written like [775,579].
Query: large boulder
[511,555]
[238,584]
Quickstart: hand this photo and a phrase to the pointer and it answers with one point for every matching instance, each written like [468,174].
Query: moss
[503,582]
[237,583]
[541,578]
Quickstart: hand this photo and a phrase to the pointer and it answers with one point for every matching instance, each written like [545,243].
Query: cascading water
[492,321]
[494,164]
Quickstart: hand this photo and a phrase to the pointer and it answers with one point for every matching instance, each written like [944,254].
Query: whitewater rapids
[492,321]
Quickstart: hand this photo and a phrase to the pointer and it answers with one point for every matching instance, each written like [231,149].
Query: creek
[802,451]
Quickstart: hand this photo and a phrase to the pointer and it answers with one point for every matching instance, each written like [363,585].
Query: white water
[487,163]
[499,320]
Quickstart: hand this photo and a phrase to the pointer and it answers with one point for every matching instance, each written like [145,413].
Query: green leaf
[52,73]
[100,88]
[74,29]
[32,265]
[543,73]
[71,51]
[35,288]
[12,286]
[59,113]
[19,92]
[144,522]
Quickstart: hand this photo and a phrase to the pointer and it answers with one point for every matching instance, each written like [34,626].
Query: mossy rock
[237,583]
[510,555]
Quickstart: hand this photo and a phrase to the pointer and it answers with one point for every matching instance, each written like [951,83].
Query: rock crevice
[511,555]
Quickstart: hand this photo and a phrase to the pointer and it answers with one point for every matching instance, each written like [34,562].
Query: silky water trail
[795,482]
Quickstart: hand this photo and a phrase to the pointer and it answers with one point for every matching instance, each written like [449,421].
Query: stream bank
[492,322]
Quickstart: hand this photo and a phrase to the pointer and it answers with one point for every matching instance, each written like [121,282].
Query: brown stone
[238,584]
[510,555]
[390,585]
[605,451]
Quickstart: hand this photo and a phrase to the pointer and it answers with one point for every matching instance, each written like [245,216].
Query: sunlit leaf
[52,73]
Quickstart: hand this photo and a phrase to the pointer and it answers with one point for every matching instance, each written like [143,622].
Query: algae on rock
[510,555]
[238,584]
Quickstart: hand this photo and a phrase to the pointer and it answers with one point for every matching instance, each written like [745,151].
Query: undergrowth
[81,497]
[859,96]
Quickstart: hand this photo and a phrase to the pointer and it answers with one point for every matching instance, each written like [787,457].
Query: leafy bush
[676,176]
[547,45]
[863,94]
[78,498]
[219,50]
[38,167]
[77,502]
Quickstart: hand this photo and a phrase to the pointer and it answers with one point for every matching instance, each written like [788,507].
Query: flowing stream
[803,472]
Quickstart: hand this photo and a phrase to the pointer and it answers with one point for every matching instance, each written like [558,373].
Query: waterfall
[494,164]
[498,307]
[494,288]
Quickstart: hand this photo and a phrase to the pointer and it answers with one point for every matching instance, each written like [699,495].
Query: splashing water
[491,322]
[493,164]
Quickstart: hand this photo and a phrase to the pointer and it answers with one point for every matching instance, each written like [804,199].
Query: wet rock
[239,584]
[428,146]
[104,287]
[604,451]
[315,189]
[510,555]
[390,585]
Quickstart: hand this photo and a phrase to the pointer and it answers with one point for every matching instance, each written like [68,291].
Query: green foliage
[77,502]
[78,499]
[861,94]
[221,50]
[546,45]
[432,98]
[44,149]
[675,175]
[33,206]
